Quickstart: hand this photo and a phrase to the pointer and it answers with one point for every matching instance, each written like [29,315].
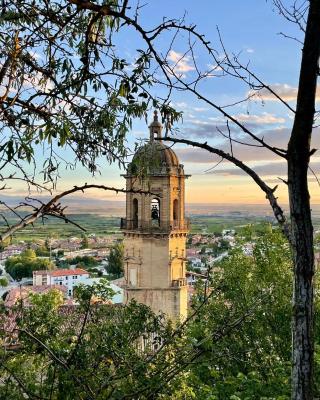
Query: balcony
[154,226]
[179,282]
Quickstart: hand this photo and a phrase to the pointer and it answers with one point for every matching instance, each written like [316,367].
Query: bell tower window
[135,213]
[155,212]
[175,211]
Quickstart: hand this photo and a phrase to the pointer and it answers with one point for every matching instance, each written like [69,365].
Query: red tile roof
[65,272]
[23,293]
[41,272]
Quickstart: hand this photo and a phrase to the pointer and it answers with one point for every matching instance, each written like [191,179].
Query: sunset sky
[249,27]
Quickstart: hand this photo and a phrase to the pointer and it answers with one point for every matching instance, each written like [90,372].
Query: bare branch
[269,192]
[53,208]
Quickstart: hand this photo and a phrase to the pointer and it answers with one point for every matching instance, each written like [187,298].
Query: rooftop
[66,272]
[23,292]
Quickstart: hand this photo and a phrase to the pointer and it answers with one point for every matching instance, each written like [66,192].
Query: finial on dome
[155,126]
[155,116]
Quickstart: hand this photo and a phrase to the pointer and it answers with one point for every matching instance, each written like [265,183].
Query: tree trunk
[300,213]
[302,320]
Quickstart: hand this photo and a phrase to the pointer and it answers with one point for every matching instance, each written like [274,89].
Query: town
[66,263]
[160,203]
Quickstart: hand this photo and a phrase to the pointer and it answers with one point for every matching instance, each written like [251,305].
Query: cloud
[272,169]
[214,70]
[185,107]
[269,169]
[285,91]
[200,109]
[191,155]
[264,119]
[277,137]
[210,128]
[181,64]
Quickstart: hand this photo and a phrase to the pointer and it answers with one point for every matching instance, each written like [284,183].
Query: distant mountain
[76,204]
[92,205]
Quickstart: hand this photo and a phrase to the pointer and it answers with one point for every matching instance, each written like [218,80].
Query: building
[194,277]
[11,251]
[155,228]
[65,277]
[22,293]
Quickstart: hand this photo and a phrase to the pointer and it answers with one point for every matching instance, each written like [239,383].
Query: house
[11,251]
[193,277]
[66,277]
[192,252]
[22,293]
[117,297]
[195,262]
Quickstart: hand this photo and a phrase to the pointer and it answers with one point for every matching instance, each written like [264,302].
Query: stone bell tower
[155,228]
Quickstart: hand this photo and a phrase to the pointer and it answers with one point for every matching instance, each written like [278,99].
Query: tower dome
[154,157]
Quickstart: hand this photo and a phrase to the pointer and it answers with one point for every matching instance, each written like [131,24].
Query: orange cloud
[286,92]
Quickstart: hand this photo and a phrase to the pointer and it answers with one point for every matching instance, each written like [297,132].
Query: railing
[154,225]
[179,282]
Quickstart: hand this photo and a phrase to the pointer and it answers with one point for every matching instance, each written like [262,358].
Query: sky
[253,29]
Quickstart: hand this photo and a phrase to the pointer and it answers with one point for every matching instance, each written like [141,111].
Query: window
[175,210]
[155,212]
[133,276]
[135,213]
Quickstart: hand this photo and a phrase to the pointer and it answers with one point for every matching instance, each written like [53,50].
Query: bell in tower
[155,228]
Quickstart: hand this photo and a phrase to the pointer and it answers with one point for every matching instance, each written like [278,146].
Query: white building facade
[66,277]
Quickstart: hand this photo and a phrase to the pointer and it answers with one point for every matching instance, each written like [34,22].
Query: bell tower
[155,228]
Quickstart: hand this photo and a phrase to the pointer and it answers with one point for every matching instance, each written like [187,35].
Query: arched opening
[175,211]
[135,213]
[155,212]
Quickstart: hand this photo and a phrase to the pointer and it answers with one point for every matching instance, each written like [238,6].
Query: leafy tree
[224,245]
[42,251]
[203,250]
[22,266]
[84,261]
[4,282]
[115,260]
[28,254]
[87,353]
[254,360]
[84,242]
[233,346]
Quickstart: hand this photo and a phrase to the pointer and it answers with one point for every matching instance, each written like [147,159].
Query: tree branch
[54,208]
[269,192]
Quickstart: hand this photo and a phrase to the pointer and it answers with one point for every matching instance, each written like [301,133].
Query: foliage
[254,360]
[84,242]
[42,251]
[253,230]
[79,261]
[23,265]
[235,346]
[92,351]
[4,282]
[63,57]
[115,260]
[193,269]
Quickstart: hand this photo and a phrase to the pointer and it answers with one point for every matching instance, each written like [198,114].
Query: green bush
[22,266]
